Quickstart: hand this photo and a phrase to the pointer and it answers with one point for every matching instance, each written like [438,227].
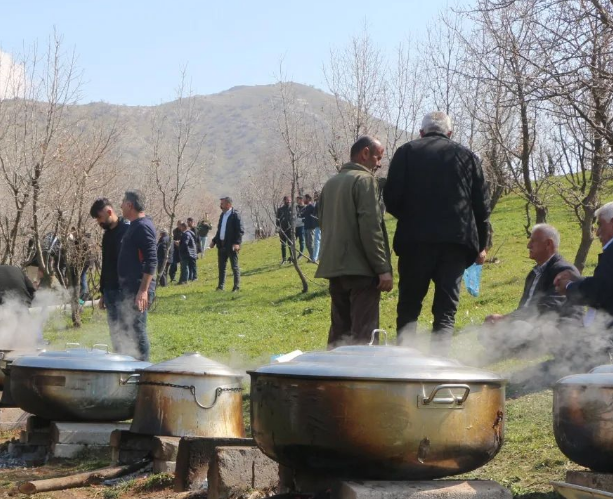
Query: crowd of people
[437,192]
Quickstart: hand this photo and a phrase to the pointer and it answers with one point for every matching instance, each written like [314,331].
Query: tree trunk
[587,236]
[541,214]
[496,194]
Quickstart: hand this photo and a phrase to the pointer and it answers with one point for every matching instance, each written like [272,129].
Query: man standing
[300,224]
[310,224]
[204,226]
[355,253]
[435,188]
[191,225]
[284,227]
[176,260]
[136,268]
[165,252]
[228,241]
[317,231]
[115,228]
[188,254]
[597,291]
[15,285]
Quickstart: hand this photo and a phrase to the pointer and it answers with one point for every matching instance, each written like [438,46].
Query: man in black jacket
[165,251]
[544,322]
[284,227]
[228,241]
[188,254]
[436,190]
[597,291]
[115,227]
[15,285]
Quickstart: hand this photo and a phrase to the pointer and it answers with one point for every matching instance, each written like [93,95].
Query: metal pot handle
[448,400]
[374,336]
[127,380]
[101,345]
[218,391]
[72,345]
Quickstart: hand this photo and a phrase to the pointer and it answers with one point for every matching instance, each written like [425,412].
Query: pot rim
[501,382]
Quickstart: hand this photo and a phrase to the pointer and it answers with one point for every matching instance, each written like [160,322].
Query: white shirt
[538,272]
[224,221]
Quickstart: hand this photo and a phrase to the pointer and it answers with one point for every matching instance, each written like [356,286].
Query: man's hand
[386,282]
[212,245]
[101,303]
[562,280]
[494,318]
[142,300]
[236,247]
[481,258]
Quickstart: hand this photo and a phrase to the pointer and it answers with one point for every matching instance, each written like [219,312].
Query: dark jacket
[111,244]
[14,284]
[310,217]
[138,255]
[176,236]
[545,298]
[596,291]
[203,228]
[163,246]
[435,188]
[187,246]
[284,218]
[234,231]
[196,239]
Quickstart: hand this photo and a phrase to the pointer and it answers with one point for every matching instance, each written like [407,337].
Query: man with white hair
[597,291]
[436,190]
[540,296]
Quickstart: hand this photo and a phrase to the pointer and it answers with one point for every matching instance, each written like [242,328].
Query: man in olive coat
[355,255]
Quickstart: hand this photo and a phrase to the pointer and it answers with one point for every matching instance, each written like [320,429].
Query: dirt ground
[141,486]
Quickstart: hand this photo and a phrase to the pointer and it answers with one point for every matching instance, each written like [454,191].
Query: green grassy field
[270,315]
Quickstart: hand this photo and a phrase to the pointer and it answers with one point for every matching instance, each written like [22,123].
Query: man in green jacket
[355,254]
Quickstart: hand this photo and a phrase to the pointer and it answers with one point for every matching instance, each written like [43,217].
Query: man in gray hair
[436,190]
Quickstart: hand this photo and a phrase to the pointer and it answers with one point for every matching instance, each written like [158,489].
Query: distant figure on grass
[191,225]
[284,227]
[115,228]
[317,231]
[311,224]
[228,240]
[435,188]
[136,271]
[165,252]
[300,224]
[355,255]
[203,229]
[188,255]
[596,291]
[176,258]
[543,322]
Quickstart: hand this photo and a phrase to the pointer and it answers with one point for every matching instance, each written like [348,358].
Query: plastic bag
[472,279]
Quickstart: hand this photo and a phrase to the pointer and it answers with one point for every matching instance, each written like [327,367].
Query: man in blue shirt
[136,268]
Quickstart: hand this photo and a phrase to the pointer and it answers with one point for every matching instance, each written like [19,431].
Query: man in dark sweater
[175,261]
[165,254]
[228,241]
[136,270]
[115,228]
[188,254]
[15,285]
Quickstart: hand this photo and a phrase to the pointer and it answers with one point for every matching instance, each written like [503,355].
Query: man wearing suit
[544,322]
[228,241]
[597,291]
[436,190]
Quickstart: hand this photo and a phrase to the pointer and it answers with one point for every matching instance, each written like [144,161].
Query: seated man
[542,311]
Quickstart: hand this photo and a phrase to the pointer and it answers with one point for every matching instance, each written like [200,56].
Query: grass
[270,315]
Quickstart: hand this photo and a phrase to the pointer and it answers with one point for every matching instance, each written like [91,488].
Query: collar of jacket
[433,134]
[356,166]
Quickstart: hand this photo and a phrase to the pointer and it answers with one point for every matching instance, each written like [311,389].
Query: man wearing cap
[228,241]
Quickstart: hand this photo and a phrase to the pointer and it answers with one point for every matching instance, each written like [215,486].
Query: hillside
[236,124]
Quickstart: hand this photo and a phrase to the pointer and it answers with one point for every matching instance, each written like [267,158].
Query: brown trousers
[355,310]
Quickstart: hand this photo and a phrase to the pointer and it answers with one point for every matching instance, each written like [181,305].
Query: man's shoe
[283,262]
[235,290]
[218,289]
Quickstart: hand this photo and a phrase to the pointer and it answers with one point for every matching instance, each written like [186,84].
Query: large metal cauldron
[583,418]
[189,396]
[75,385]
[377,412]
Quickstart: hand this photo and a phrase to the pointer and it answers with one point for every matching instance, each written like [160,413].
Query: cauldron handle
[453,400]
[374,336]
[218,392]
[101,345]
[72,345]
[127,380]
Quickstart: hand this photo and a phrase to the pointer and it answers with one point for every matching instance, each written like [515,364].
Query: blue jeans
[127,325]
[188,270]
[300,237]
[203,241]
[316,243]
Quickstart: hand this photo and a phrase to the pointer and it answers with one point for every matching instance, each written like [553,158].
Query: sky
[132,51]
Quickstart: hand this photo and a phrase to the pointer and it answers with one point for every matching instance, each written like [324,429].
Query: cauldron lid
[601,376]
[192,363]
[81,359]
[379,363]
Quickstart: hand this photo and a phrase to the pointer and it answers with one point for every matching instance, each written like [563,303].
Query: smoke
[22,327]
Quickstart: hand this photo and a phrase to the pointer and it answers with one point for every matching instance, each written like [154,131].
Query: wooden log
[81,479]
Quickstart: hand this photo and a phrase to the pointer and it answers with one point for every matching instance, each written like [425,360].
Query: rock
[432,489]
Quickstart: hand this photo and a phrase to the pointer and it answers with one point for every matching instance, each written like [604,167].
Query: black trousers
[354,310]
[440,263]
[223,255]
